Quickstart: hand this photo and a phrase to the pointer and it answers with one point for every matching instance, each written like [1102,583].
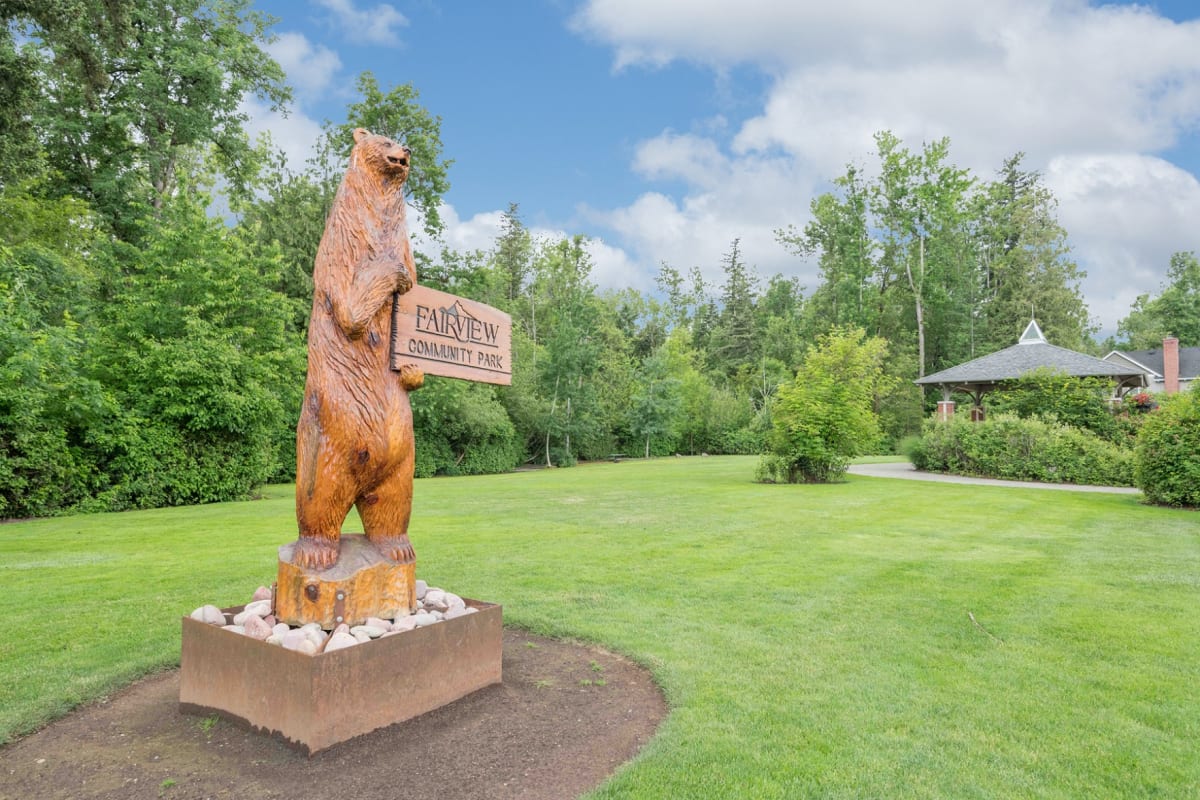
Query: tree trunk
[553,406]
[917,288]
[568,442]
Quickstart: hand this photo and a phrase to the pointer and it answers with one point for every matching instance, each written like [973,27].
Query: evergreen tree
[733,341]
[1025,269]
[513,254]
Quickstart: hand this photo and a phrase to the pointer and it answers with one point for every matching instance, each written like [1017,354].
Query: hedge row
[1008,447]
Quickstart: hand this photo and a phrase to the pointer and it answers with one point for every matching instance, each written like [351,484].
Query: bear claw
[312,553]
[396,548]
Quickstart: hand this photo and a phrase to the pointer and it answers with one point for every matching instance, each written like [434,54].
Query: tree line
[152,349]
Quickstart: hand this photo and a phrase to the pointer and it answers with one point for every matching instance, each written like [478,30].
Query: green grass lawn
[813,641]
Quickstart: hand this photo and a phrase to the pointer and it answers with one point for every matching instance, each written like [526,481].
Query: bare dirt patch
[563,719]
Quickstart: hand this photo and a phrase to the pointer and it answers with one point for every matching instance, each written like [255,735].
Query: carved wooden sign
[451,336]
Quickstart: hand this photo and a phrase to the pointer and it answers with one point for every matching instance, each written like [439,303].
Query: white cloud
[612,268]
[477,233]
[721,32]
[309,68]
[377,25]
[295,134]
[695,159]
[1060,82]
[1121,228]
[727,197]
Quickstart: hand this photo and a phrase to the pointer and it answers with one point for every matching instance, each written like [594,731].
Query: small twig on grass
[996,639]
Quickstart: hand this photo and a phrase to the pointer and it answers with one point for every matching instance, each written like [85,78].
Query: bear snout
[401,160]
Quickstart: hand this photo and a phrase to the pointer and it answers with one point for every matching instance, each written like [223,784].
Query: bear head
[381,155]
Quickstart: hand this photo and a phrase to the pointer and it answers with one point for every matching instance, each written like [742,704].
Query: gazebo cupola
[1033,334]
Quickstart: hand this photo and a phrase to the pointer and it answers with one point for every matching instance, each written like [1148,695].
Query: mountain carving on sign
[456,322]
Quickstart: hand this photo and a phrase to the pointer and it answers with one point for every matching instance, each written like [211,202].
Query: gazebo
[1031,352]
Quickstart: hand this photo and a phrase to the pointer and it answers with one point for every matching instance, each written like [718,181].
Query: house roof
[1031,352]
[1152,361]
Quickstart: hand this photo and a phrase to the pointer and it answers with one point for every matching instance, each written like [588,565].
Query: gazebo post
[977,412]
[945,406]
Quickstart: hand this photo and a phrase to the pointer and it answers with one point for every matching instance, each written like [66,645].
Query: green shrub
[908,445]
[826,416]
[1167,457]
[746,441]
[771,469]
[1077,402]
[460,428]
[1009,447]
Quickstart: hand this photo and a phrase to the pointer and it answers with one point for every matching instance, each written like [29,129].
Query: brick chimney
[1170,365]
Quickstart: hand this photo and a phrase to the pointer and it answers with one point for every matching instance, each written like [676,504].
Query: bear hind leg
[385,512]
[320,516]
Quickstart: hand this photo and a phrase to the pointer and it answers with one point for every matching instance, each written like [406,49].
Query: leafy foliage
[1015,448]
[1168,452]
[1078,402]
[398,115]
[826,415]
[129,92]
[154,355]
[656,404]
[1175,312]
[462,429]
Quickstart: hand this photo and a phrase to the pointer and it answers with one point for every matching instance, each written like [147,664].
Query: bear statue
[354,441]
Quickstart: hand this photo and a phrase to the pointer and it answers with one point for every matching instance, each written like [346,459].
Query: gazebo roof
[1030,353]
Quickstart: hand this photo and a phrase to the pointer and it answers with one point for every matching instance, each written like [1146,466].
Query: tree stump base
[363,583]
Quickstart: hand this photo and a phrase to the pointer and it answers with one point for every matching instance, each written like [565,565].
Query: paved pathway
[907,471]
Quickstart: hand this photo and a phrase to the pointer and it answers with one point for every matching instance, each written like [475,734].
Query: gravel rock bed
[255,620]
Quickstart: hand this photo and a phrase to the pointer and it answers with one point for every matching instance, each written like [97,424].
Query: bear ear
[360,134]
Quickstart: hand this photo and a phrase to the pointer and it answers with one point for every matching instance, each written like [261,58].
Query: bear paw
[315,553]
[412,377]
[395,548]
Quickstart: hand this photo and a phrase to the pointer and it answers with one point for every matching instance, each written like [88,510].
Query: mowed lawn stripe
[812,640]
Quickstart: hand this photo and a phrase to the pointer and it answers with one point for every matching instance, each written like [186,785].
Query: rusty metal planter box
[316,701]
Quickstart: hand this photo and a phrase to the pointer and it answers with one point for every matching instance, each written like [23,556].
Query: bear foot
[395,548]
[315,553]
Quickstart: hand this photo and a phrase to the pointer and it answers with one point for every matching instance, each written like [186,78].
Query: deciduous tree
[826,415]
[1175,312]
[130,91]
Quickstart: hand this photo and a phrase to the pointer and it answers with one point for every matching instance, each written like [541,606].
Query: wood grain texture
[354,440]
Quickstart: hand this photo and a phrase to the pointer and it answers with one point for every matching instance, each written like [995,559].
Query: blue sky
[663,129]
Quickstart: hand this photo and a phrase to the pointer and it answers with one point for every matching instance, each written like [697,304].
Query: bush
[1054,396]
[461,429]
[825,416]
[907,446]
[1009,447]
[1167,457]
[771,469]
[743,441]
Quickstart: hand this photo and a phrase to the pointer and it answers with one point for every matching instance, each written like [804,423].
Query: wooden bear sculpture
[354,442]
